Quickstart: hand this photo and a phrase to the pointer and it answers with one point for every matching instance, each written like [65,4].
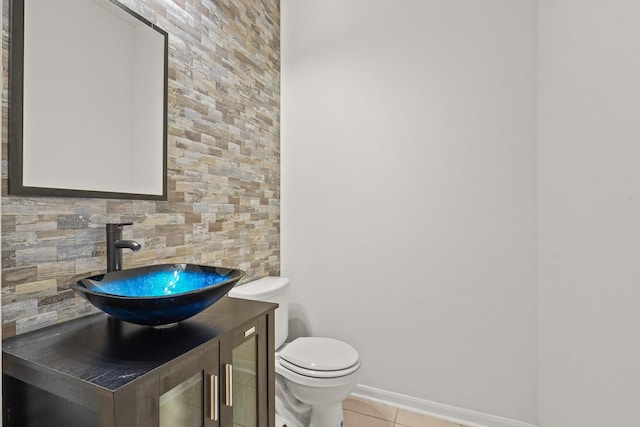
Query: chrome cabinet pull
[213,395]
[228,385]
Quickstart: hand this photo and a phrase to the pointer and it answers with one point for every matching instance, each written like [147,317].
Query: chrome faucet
[115,244]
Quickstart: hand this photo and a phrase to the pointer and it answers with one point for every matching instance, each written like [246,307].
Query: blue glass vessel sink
[158,294]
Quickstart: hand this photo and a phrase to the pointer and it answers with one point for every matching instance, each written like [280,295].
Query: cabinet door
[212,385]
[243,369]
[183,393]
[189,391]
[181,397]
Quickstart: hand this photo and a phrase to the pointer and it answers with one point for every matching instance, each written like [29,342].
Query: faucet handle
[117,226]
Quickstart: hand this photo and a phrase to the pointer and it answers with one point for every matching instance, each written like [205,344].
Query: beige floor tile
[410,419]
[373,409]
[354,419]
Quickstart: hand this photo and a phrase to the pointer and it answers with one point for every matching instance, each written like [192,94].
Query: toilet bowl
[312,372]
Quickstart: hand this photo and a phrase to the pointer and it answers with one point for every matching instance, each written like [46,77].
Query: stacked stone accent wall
[223,204]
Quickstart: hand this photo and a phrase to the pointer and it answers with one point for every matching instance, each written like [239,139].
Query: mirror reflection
[87,101]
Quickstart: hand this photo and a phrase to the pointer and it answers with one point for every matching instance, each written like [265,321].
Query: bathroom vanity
[215,369]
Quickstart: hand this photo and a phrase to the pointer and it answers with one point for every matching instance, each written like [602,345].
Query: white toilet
[320,372]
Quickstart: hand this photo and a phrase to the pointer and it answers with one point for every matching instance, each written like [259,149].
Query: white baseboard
[453,414]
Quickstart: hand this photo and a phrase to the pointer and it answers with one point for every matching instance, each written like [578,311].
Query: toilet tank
[269,289]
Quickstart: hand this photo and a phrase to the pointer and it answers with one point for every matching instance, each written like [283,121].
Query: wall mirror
[87,101]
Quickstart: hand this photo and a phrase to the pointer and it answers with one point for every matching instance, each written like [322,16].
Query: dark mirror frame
[15,114]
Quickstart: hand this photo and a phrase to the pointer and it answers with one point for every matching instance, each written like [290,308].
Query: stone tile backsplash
[223,204]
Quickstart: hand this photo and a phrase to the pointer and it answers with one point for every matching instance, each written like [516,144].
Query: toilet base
[327,415]
[282,422]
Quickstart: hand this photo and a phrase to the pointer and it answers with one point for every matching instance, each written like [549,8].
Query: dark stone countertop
[109,353]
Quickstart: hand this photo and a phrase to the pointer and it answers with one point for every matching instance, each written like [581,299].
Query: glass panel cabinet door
[212,386]
[245,383]
[183,405]
[243,364]
[189,391]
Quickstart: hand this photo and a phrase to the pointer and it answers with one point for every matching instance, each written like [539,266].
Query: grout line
[366,415]
[376,415]
[373,415]
[395,417]
[361,414]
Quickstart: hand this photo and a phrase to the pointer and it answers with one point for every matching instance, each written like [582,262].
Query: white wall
[589,155]
[409,192]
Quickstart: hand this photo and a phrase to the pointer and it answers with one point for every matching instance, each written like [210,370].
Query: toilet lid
[316,374]
[320,354]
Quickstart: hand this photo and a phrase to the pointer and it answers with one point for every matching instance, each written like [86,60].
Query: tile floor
[364,413]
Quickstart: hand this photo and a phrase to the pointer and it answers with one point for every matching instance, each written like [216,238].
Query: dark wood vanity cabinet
[213,370]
